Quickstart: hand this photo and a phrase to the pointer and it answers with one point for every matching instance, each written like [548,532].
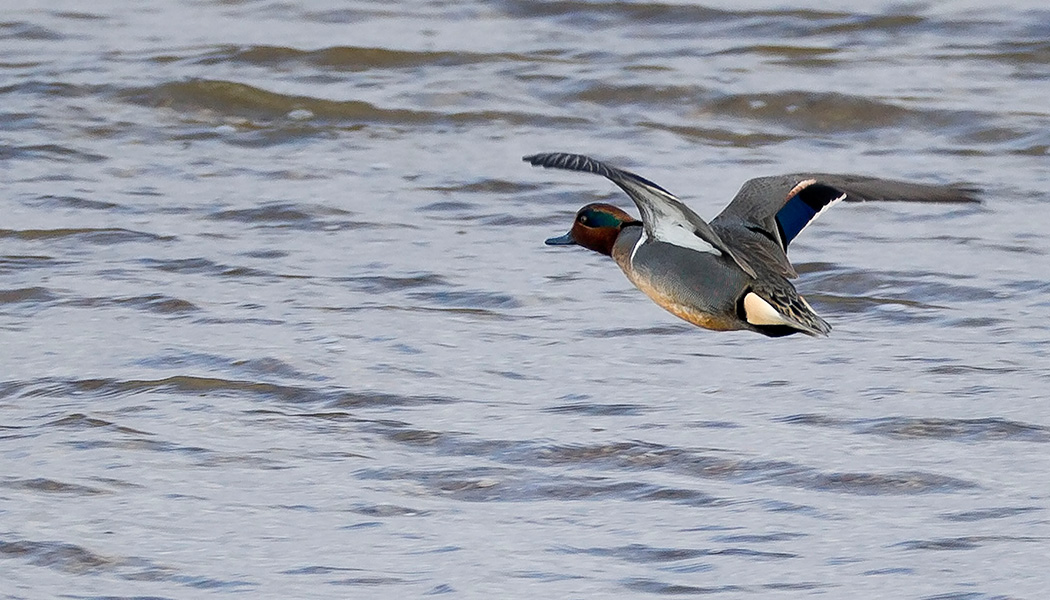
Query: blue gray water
[277,320]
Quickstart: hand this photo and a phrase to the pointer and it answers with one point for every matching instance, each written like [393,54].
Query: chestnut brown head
[596,228]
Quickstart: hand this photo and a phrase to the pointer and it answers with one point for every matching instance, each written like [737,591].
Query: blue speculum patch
[802,208]
[794,217]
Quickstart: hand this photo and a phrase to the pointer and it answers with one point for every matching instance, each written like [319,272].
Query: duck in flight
[732,273]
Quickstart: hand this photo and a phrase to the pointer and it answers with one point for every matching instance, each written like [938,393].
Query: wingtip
[559,160]
[956,193]
[970,194]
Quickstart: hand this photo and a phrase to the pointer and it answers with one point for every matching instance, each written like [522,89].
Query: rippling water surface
[277,320]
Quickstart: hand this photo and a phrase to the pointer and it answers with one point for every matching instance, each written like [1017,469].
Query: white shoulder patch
[679,235]
[759,312]
[682,235]
[637,245]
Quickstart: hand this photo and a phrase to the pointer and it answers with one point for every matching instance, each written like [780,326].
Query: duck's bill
[561,240]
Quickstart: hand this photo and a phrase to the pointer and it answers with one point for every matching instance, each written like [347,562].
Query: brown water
[277,320]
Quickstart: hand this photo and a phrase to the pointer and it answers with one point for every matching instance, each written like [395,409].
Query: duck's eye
[583,219]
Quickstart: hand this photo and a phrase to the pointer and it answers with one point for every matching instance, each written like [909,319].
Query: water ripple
[235,99]
[77,560]
[989,513]
[830,112]
[32,295]
[652,586]
[963,430]
[648,554]
[345,58]
[48,201]
[191,385]
[638,456]
[287,216]
[57,555]
[202,266]
[50,486]
[51,152]
[21,30]
[100,236]
[965,542]
[154,303]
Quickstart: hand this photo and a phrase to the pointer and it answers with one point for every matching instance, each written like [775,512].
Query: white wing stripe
[820,212]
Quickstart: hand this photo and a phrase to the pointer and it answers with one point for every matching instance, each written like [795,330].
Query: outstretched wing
[784,205]
[774,210]
[664,217]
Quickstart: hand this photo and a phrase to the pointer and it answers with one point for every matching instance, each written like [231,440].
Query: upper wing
[780,207]
[664,217]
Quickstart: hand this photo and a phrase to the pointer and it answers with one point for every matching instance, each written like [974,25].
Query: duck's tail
[777,310]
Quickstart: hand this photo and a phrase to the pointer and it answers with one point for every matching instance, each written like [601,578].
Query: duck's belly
[674,304]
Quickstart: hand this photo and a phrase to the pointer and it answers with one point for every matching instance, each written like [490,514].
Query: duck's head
[596,228]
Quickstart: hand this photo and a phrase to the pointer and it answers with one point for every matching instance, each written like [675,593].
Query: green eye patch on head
[593,217]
